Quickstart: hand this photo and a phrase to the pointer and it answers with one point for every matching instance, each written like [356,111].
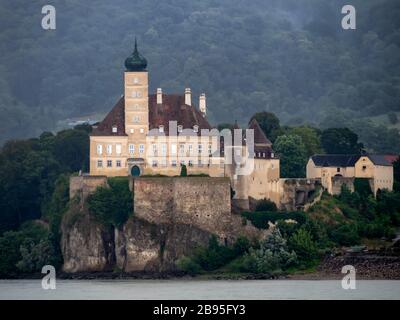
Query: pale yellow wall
[136,87]
[383,178]
[264,180]
[112,141]
[364,168]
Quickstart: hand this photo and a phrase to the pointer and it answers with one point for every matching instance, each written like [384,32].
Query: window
[131,148]
[338,170]
[135,94]
[109,163]
[161,129]
[209,149]
[181,148]
[99,149]
[141,130]
[136,119]
[100,163]
[190,148]
[180,128]
[364,168]
[154,163]
[200,164]
[164,149]
[132,131]
[141,148]
[200,148]
[173,163]
[118,163]
[272,154]
[196,128]
[173,149]
[154,148]
[118,149]
[109,149]
[190,163]
[114,129]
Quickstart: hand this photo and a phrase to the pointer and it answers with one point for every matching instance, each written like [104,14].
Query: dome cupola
[136,62]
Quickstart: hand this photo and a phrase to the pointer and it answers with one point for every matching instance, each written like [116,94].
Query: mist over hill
[289,57]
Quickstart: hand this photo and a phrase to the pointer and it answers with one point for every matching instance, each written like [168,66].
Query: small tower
[136,90]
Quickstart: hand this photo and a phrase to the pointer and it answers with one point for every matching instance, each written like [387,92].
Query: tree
[269,123]
[266,205]
[112,205]
[392,118]
[310,137]
[340,141]
[293,156]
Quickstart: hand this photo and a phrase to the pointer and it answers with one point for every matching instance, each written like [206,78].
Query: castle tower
[136,90]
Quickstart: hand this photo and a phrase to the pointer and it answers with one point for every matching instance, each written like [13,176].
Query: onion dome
[135,62]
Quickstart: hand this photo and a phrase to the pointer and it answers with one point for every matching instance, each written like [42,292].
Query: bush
[345,235]
[266,205]
[112,205]
[188,265]
[302,243]
[272,257]
[260,219]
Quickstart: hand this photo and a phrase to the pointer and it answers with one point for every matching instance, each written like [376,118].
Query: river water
[199,289]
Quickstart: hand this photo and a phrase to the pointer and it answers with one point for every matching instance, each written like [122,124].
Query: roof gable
[116,117]
[259,136]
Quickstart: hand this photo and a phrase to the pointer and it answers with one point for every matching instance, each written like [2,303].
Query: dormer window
[114,129]
[161,129]
[180,128]
[196,128]
[272,154]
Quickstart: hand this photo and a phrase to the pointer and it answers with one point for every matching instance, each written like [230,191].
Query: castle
[155,134]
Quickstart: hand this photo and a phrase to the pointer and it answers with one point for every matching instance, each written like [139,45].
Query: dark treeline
[288,57]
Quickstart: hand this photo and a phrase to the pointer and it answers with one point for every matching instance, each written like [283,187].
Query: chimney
[159,96]
[202,104]
[188,97]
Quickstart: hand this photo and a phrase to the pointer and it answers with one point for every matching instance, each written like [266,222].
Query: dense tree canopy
[340,141]
[290,57]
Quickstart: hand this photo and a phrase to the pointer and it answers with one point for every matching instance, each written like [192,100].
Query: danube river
[199,289]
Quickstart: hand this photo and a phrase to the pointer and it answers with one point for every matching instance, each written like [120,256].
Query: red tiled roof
[116,117]
[259,136]
[391,157]
[173,108]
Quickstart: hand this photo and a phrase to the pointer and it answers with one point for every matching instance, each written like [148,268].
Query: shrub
[302,243]
[260,219]
[266,205]
[188,265]
[272,257]
[345,235]
[112,205]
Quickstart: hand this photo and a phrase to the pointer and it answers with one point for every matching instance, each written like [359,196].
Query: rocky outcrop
[172,218]
[85,244]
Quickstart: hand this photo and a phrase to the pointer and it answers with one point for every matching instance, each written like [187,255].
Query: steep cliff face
[172,217]
[86,245]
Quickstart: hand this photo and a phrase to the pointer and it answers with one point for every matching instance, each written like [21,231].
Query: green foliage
[303,244]
[293,156]
[269,123]
[396,175]
[183,171]
[266,205]
[345,235]
[392,118]
[340,141]
[26,250]
[310,137]
[260,219]
[362,187]
[272,257]
[112,205]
